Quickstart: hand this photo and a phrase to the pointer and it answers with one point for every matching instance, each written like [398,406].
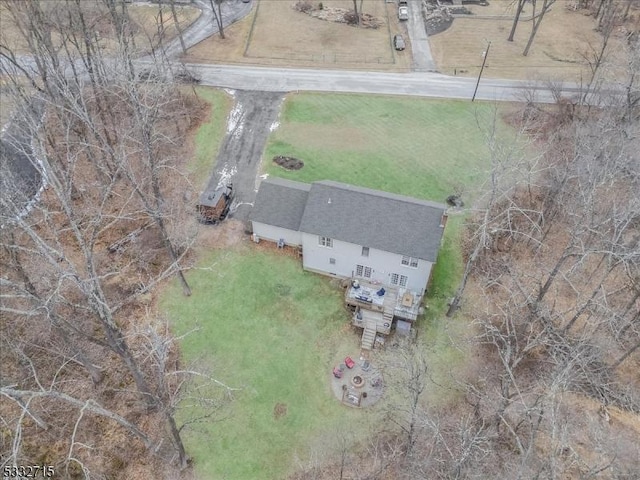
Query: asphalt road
[205,25]
[421,84]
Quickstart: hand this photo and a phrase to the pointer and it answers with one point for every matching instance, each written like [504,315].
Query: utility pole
[484,60]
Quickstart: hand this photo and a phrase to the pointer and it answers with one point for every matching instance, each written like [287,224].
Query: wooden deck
[375,313]
[390,304]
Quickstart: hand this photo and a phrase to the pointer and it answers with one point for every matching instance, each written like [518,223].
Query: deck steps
[368,336]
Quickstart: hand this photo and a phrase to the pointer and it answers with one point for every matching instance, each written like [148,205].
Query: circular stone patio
[360,386]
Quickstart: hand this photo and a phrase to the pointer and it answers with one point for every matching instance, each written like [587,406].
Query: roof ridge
[381,193]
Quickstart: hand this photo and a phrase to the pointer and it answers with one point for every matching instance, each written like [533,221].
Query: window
[399,279]
[325,242]
[332,261]
[362,271]
[410,261]
[365,251]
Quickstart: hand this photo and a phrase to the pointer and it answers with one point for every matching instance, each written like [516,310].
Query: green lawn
[269,328]
[274,331]
[418,147]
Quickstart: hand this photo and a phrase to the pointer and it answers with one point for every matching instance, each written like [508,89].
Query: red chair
[349,362]
[337,372]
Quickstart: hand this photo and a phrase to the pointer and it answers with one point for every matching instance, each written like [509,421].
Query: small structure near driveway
[214,205]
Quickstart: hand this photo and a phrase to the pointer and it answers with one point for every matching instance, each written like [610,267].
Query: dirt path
[238,162]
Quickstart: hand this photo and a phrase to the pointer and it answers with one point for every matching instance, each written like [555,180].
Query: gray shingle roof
[280,203]
[371,218]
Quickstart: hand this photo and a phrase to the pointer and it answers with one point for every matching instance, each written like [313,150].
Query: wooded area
[91,378]
[552,289]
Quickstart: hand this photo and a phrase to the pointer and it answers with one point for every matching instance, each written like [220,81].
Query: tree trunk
[537,20]
[556,269]
[89,405]
[455,301]
[516,19]
[177,440]
[626,10]
[617,363]
[217,15]
[174,13]
[356,12]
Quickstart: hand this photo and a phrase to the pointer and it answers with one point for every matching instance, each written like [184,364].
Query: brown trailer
[214,205]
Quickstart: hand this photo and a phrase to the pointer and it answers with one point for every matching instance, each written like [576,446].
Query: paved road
[20,178]
[422,84]
[205,25]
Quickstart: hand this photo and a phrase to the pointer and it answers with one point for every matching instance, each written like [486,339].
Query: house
[388,242]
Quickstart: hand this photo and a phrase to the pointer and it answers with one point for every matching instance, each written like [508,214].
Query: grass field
[417,147]
[273,331]
[261,324]
[276,34]
[558,51]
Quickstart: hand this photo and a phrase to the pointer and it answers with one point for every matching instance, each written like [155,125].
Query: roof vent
[329,201]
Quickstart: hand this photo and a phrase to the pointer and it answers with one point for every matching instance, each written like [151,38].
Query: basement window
[332,261]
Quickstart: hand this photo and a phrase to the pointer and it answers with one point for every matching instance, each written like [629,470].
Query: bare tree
[174,14]
[216,8]
[519,7]
[97,134]
[536,20]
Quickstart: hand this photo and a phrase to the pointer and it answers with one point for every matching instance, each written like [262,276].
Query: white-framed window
[397,279]
[410,261]
[365,251]
[363,271]
[325,242]
[332,261]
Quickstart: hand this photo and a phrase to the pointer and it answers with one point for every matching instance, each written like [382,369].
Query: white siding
[269,232]
[348,255]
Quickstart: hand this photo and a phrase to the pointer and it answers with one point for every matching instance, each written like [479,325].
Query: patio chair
[349,362]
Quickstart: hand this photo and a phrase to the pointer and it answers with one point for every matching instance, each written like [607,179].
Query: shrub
[303,6]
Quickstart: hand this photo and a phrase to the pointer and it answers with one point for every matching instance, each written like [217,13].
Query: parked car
[398,42]
[403,10]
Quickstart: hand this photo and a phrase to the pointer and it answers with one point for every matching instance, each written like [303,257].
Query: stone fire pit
[360,386]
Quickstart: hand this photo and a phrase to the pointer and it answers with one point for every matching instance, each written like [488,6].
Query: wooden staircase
[368,336]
